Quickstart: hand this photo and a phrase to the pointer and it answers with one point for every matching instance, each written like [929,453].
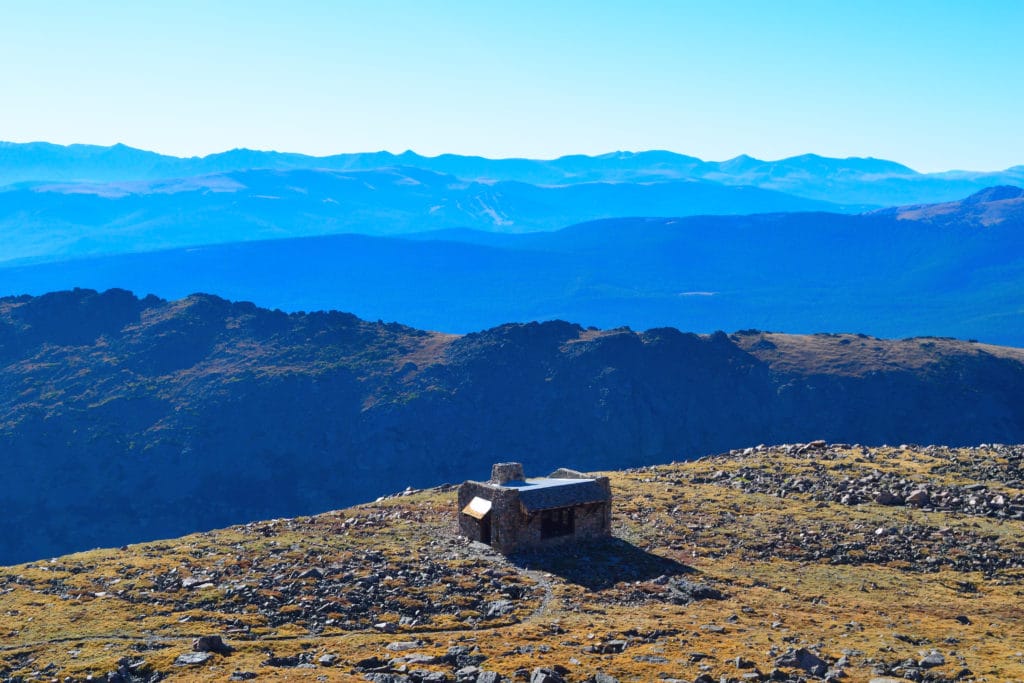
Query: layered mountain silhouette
[954,269]
[851,181]
[52,221]
[124,419]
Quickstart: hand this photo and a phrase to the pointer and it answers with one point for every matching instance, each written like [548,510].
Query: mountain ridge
[844,181]
[948,270]
[199,402]
[50,221]
[987,207]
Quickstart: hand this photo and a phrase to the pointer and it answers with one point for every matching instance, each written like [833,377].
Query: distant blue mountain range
[954,269]
[852,181]
[44,221]
[457,243]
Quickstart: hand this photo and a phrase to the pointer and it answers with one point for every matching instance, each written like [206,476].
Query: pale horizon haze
[933,85]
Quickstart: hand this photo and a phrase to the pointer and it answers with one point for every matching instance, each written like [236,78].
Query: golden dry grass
[78,615]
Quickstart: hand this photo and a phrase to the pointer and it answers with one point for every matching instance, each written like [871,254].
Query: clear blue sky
[936,85]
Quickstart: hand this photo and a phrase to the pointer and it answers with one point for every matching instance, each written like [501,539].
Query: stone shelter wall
[591,520]
[509,526]
[503,519]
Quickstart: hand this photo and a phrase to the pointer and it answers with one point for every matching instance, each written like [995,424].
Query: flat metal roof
[545,493]
[541,482]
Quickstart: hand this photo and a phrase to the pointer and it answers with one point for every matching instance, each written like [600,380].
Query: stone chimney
[503,472]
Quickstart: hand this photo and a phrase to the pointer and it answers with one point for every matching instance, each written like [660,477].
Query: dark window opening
[560,522]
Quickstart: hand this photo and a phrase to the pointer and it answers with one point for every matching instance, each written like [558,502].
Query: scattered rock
[887,498]
[192,658]
[742,663]
[415,659]
[128,671]
[403,645]
[312,573]
[380,677]
[272,660]
[498,608]
[211,644]
[803,659]
[545,675]
[370,663]
[607,648]
[919,498]
[682,591]
[192,582]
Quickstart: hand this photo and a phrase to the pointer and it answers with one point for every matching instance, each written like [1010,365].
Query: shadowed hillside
[124,419]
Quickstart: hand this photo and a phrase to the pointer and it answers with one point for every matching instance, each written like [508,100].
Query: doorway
[485,529]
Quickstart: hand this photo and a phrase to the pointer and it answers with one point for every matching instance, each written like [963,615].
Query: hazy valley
[953,269]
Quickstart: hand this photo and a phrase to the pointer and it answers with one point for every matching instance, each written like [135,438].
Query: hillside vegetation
[800,562]
[125,419]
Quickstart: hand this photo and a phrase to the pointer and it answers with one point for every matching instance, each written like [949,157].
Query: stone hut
[511,512]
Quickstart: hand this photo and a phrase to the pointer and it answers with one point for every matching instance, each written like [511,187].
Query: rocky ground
[799,562]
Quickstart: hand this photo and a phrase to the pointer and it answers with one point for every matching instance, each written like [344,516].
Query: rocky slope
[124,419]
[793,563]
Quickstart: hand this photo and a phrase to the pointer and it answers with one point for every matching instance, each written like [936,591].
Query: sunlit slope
[792,561]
